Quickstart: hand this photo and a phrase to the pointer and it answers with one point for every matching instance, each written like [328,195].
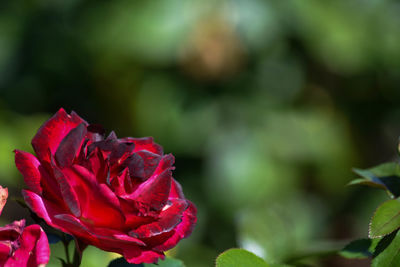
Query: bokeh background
[266,105]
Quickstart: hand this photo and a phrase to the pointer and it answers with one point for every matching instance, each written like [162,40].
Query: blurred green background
[267,105]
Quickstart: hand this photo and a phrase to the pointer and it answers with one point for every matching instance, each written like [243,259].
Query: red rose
[22,246]
[115,194]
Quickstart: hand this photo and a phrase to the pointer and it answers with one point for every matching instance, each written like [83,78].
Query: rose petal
[105,238]
[99,204]
[122,184]
[67,191]
[166,162]
[145,143]
[52,132]
[12,231]
[151,161]
[28,165]
[5,250]
[43,208]
[170,217]
[143,256]
[3,197]
[34,246]
[70,146]
[176,190]
[153,193]
[182,230]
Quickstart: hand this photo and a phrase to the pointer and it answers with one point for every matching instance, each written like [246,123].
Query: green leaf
[390,256]
[385,176]
[168,262]
[384,243]
[357,249]
[386,219]
[385,169]
[237,257]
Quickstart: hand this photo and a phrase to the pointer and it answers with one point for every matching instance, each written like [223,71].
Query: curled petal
[28,165]
[176,190]
[145,143]
[67,191]
[34,247]
[142,256]
[53,131]
[153,193]
[182,230]
[169,217]
[43,208]
[105,238]
[12,231]
[70,146]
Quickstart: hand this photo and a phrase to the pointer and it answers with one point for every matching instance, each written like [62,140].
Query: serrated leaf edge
[370,223]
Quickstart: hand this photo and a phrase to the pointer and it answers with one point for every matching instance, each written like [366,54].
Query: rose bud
[22,246]
[116,194]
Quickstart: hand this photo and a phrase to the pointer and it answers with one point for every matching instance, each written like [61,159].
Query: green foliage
[386,219]
[357,249]
[383,243]
[168,262]
[384,225]
[390,256]
[239,258]
[385,176]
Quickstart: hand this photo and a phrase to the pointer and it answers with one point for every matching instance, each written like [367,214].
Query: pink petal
[3,197]
[53,131]
[40,253]
[28,165]
[33,249]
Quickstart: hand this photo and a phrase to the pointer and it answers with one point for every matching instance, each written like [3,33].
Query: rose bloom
[116,194]
[22,246]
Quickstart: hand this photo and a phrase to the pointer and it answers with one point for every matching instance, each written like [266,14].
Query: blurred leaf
[386,219]
[390,256]
[236,257]
[168,262]
[357,249]
[385,176]
[385,169]
[363,181]
[384,243]
[279,231]
[121,262]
